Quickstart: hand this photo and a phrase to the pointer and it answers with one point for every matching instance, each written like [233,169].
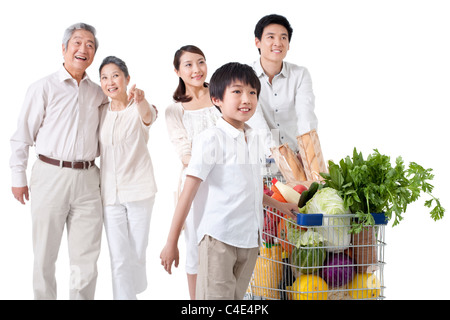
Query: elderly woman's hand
[137,94]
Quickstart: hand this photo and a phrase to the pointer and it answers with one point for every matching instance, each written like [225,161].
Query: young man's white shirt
[285,106]
[228,205]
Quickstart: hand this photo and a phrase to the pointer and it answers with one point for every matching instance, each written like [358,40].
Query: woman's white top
[183,125]
[125,163]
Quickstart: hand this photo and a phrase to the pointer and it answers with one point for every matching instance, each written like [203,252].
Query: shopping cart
[317,258]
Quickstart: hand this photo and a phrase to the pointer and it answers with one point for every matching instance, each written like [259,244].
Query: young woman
[127,181]
[191,113]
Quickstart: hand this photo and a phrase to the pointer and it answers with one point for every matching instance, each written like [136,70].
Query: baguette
[311,155]
[293,162]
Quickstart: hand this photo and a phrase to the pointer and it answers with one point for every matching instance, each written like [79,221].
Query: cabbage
[310,239]
[309,253]
[334,230]
[338,270]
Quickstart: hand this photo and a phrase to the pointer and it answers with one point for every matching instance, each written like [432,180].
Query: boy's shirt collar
[232,131]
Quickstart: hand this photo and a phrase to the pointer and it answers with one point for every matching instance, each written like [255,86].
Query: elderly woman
[127,181]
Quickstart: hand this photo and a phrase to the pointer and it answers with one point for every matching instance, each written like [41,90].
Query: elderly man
[60,116]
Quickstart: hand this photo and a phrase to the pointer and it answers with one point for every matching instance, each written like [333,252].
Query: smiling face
[192,69]
[80,52]
[113,82]
[238,104]
[274,43]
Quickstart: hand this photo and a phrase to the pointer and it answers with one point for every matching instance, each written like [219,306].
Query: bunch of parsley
[374,186]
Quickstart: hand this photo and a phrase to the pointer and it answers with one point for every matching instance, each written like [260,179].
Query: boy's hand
[168,255]
[289,209]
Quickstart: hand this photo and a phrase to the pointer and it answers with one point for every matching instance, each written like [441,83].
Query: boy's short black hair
[272,19]
[229,73]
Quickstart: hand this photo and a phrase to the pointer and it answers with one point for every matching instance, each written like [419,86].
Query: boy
[286,104]
[225,181]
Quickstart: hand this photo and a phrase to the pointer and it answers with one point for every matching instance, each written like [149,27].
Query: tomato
[300,188]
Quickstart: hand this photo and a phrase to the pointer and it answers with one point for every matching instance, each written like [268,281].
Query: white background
[381,76]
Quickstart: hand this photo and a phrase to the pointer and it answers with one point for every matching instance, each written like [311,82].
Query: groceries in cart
[335,248]
[313,258]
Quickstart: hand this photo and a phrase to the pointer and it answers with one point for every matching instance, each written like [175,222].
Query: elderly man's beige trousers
[65,197]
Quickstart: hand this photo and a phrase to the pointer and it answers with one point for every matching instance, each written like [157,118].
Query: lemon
[364,286]
[310,287]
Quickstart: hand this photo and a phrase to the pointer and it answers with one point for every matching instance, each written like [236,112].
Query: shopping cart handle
[309,219]
[316,219]
[380,218]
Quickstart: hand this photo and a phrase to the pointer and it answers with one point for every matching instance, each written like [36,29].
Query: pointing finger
[131,93]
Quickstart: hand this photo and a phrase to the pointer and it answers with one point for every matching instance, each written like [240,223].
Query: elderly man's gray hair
[77,26]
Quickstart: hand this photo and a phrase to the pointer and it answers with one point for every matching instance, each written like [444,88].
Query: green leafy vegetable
[375,186]
[336,229]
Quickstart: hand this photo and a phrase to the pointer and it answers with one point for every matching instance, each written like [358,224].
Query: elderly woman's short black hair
[118,62]
[78,26]
[229,73]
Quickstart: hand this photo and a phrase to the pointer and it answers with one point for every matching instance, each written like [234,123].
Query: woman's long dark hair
[180,93]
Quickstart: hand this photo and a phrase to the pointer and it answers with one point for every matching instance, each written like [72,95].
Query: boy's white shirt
[229,203]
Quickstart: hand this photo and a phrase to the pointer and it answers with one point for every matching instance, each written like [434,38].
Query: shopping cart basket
[317,258]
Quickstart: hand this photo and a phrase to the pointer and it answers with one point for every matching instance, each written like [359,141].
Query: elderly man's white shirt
[60,118]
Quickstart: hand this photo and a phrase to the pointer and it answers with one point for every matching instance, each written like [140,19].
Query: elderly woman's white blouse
[125,163]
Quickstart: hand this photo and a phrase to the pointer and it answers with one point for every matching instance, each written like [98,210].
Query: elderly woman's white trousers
[127,227]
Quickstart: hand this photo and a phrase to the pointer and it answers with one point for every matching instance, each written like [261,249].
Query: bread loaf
[311,155]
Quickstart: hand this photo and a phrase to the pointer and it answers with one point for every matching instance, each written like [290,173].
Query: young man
[60,117]
[224,178]
[286,103]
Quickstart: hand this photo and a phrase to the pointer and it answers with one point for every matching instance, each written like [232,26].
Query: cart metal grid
[316,258]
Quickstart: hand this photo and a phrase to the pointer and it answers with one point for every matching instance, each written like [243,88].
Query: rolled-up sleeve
[305,104]
[205,153]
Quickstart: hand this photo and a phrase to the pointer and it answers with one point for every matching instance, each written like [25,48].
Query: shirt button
[278,124]
[275,94]
[276,110]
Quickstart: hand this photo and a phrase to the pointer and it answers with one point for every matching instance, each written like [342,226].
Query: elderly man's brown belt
[68,164]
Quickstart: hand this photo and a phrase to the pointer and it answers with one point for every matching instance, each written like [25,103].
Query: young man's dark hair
[272,19]
[229,73]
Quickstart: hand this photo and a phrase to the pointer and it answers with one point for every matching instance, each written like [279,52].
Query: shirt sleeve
[305,104]
[205,154]
[177,132]
[29,122]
